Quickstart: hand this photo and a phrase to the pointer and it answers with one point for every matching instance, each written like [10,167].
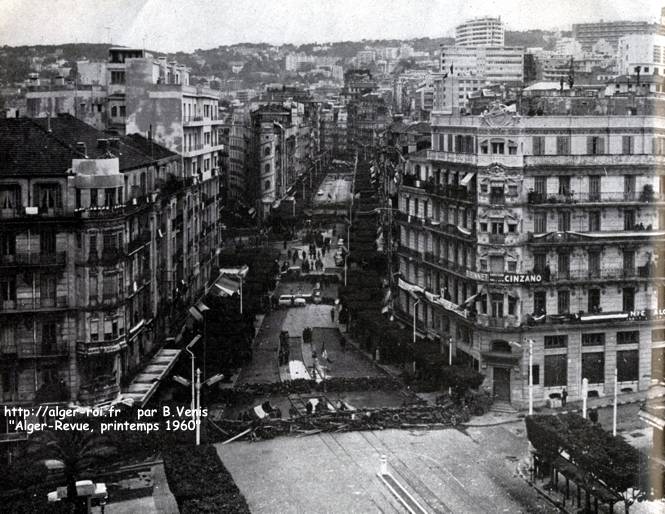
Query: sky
[171,25]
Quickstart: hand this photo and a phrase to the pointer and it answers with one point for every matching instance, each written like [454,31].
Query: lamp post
[197,411]
[450,359]
[614,408]
[188,349]
[530,377]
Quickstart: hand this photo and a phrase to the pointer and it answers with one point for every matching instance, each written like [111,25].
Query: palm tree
[77,450]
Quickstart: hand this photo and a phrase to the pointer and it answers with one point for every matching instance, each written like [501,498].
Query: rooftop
[43,146]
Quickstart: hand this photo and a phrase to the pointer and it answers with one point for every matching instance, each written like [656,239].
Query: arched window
[266,168]
[114,111]
[266,152]
[266,185]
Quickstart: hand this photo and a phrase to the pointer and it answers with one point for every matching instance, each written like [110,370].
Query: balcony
[189,121]
[102,389]
[498,322]
[107,346]
[33,259]
[44,350]
[606,160]
[28,213]
[604,273]
[497,238]
[645,196]
[410,252]
[33,304]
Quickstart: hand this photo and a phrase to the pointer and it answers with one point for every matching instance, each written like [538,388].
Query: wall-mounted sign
[506,278]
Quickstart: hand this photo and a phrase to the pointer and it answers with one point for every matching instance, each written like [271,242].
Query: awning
[604,317]
[406,286]
[242,271]
[147,381]
[471,298]
[467,178]
[226,286]
[197,311]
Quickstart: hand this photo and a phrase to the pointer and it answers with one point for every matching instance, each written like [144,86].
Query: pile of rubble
[411,417]
[246,393]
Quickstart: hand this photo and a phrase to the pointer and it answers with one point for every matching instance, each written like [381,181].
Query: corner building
[545,228]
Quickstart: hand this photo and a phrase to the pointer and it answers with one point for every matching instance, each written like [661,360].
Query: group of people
[310,261]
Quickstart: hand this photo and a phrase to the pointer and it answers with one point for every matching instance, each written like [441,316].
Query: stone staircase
[503,407]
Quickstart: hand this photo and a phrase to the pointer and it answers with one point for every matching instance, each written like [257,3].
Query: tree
[77,450]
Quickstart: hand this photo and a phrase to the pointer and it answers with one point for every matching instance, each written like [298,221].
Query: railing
[410,252]
[604,273]
[111,300]
[34,259]
[593,160]
[141,239]
[494,322]
[536,198]
[99,347]
[43,351]
[27,304]
[31,212]
[497,199]
[497,238]
[189,120]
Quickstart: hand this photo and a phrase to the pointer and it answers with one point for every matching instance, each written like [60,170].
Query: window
[594,221]
[48,196]
[594,188]
[563,221]
[266,185]
[563,262]
[540,222]
[7,289]
[266,151]
[47,287]
[564,186]
[483,226]
[628,365]
[497,227]
[7,243]
[628,299]
[497,305]
[484,147]
[10,196]
[629,187]
[539,262]
[512,305]
[266,168]
[538,145]
[512,228]
[629,219]
[557,341]
[563,302]
[94,330]
[78,198]
[117,77]
[627,143]
[109,196]
[594,300]
[629,337]
[595,145]
[593,367]
[540,185]
[49,338]
[47,242]
[563,145]
[497,264]
[498,147]
[629,263]
[535,374]
[496,195]
[539,303]
[93,198]
[114,111]
[556,370]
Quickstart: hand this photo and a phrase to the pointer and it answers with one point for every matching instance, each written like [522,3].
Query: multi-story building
[486,31]
[85,102]
[542,230]
[646,51]
[368,116]
[588,34]
[493,64]
[90,258]
[239,138]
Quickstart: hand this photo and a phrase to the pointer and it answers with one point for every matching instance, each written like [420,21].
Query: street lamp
[188,349]
[196,400]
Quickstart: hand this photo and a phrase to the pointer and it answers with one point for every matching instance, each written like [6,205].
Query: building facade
[485,31]
[588,34]
[83,259]
[544,229]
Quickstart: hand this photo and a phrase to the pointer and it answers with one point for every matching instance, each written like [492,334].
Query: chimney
[103,145]
[80,147]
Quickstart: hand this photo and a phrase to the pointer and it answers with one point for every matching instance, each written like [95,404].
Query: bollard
[384,465]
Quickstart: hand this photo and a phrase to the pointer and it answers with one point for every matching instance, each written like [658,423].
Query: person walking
[332,314]
[564,397]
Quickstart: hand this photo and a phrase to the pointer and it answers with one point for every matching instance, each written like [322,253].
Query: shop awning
[226,286]
[147,381]
[406,286]
[467,178]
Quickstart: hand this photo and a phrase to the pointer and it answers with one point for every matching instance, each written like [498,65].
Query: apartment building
[588,34]
[548,229]
[493,64]
[78,264]
[486,31]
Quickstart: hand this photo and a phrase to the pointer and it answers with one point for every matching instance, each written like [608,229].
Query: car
[317,296]
[85,488]
[285,300]
[299,301]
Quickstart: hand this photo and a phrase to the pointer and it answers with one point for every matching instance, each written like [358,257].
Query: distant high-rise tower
[485,31]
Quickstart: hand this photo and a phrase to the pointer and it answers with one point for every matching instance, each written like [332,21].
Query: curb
[525,476]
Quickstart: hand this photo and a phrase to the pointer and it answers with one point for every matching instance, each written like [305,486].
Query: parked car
[285,300]
[299,301]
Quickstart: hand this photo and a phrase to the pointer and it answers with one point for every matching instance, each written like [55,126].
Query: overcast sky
[170,25]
